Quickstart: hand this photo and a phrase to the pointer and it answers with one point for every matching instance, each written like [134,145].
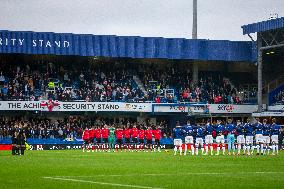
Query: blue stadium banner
[126,46]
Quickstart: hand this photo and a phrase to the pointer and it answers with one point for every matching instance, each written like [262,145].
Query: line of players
[113,138]
[244,136]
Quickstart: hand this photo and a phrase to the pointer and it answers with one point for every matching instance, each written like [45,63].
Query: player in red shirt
[86,138]
[141,136]
[119,136]
[98,136]
[127,134]
[157,135]
[92,137]
[105,133]
[134,136]
[149,137]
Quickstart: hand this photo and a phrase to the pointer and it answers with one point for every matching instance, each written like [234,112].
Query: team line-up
[110,138]
[243,136]
[189,138]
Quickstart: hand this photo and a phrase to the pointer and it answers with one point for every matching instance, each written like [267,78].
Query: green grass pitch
[75,169]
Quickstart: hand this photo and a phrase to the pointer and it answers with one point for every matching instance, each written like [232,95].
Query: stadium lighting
[269,53]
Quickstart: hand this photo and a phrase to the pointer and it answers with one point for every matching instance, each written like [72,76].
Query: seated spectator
[2,79]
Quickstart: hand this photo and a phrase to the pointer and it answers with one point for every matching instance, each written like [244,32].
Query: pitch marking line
[169,174]
[102,183]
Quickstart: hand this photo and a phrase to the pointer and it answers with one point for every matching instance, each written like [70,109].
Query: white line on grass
[102,183]
[170,174]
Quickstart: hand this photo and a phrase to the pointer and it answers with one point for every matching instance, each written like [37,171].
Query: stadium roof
[263,26]
[27,42]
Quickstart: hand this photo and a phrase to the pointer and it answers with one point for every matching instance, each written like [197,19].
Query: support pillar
[259,73]
[195,72]
[194,23]
[194,36]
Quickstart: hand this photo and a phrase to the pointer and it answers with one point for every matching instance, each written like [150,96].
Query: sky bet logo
[226,107]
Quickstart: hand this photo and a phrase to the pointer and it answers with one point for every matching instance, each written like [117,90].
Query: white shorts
[249,139]
[188,140]
[258,138]
[199,141]
[274,139]
[177,142]
[220,139]
[209,139]
[266,139]
[241,139]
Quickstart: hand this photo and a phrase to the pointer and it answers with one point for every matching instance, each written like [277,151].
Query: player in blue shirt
[220,140]
[258,127]
[249,130]
[188,134]
[208,137]
[266,137]
[230,128]
[200,133]
[241,137]
[177,134]
[275,130]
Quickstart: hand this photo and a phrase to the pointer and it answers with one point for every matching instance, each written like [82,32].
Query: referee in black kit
[18,140]
[14,134]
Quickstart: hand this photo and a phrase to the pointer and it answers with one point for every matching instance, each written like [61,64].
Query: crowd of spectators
[69,127]
[88,83]
[210,88]
[111,82]
[279,98]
